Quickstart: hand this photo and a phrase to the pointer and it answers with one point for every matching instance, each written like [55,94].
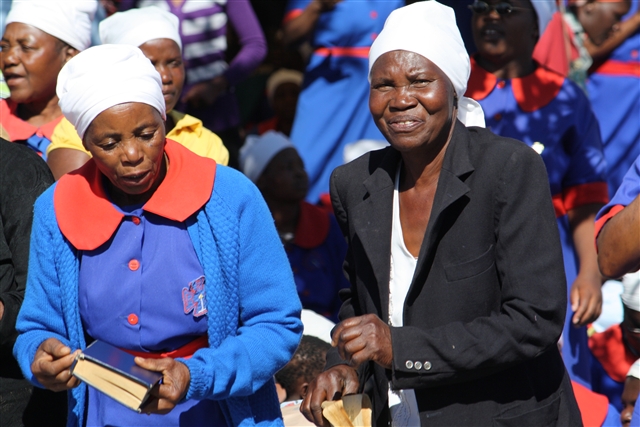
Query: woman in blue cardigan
[160,252]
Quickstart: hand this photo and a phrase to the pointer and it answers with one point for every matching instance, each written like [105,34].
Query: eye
[175,63]
[420,83]
[147,136]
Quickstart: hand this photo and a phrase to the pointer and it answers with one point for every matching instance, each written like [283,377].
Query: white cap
[429,28]
[282,76]
[135,27]
[631,290]
[104,76]
[67,20]
[257,152]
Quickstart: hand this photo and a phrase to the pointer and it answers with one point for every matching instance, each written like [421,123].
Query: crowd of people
[441,209]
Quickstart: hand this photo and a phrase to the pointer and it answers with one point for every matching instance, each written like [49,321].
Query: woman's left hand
[175,383]
[586,299]
[362,339]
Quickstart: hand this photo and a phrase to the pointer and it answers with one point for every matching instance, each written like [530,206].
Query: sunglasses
[481,8]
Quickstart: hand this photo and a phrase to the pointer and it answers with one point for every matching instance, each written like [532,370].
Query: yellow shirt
[188,131]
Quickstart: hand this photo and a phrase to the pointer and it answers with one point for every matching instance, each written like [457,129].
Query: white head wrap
[67,20]
[544,10]
[104,76]
[135,27]
[257,152]
[282,76]
[428,28]
[316,325]
[631,291]
[634,371]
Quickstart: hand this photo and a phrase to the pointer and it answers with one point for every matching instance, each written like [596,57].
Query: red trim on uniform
[18,129]
[184,352]
[324,202]
[354,52]
[615,209]
[267,125]
[593,406]
[291,15]
[88,219]
[313,226]
[611,352]
[532,92]
[558,205]
[619,68]
[584,194]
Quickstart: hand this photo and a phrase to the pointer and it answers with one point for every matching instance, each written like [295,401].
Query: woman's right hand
[332,384]
[51,365]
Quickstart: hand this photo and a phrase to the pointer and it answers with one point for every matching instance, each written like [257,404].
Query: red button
[497,116]
[373,14]
[134,264]
[132,319]
[501,84]
[39,133]
[135,220]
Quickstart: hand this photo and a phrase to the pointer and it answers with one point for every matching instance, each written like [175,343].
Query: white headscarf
[135,27]
[428,28]
[634,371]
[257,152]
[104,76]
[544,10]
[631,290]
[67,20]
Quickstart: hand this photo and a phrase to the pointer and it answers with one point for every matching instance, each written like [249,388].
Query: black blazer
[488,298]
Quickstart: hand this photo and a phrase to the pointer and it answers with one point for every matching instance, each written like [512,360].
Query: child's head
[598,17]
[630,394]
[307,362]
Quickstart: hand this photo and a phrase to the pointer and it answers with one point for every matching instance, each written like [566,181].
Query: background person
[202,272]
[39,38]
[156,33]
[630,394]
[457,292]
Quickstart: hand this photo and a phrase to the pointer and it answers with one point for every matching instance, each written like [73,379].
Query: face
[285,99]
[631,328]
[127,144]
[31,60]
[629,398]
[411,100]
[284,178]
[165,55]
[599,17]
[508,37]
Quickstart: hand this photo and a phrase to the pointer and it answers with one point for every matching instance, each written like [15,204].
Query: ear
[69,52]
[303,389]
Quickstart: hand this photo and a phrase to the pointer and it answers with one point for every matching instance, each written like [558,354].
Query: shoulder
[190,132]
[233,189]
[22,171]
[66,136]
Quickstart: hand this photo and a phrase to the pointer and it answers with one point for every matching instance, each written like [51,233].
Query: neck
[285,125]
[169,124]
[40,113]
[509,69]
[285,214]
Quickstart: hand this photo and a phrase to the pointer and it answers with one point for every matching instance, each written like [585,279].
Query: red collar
[88,219]
[611,352]
[532,92]
[313,226]
[593,406]
[18,129]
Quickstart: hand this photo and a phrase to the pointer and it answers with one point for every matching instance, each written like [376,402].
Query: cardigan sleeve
[269,307]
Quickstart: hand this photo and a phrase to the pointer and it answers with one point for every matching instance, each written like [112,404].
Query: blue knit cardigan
[253,309]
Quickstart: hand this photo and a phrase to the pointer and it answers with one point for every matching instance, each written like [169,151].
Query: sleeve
[65,136]
[41,315]
[585,181]
[270,326]
[216,149]
[29,177]
[294,9]
[532,298]
[251,37]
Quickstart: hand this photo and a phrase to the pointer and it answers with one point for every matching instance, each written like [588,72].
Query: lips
[404,123]
[491,32]
[135,178]
[11,78]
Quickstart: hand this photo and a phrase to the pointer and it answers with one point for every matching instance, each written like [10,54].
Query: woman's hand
[51,365]
[175,383]
[362,339]
[332,384]
[586,299]
[204,94]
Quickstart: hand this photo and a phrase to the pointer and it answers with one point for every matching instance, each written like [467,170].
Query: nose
[403,99]
[165,74]
[9,57]
[132,153]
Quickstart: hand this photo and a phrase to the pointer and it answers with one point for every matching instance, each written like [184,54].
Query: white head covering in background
[316,325]
[634,371]
[135,27]
[429,28]
[544,10]
[257,152]
[631,290]
[67,20]
[353,150]
[281,76]
[104,76]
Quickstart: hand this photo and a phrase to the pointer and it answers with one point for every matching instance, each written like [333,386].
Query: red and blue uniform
[614,90]
[333,107]
[17,130]
[552,115]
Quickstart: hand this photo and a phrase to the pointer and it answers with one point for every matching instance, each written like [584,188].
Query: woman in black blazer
[457,294]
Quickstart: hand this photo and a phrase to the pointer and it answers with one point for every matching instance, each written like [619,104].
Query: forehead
[124,117]
[403,61]
[619,7]
[160,47]
[18,30]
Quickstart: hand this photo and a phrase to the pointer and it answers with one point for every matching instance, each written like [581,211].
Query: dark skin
[414,105]
[631,330]
[127,145]
[302,26]
[285,99]
[505,48]
[599,20]
[166,57]
[629,398]
[30,60]
[619,242]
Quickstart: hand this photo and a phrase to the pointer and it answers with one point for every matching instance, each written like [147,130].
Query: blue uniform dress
[143,290]
[17,130]
[614,90]
[552,115]
[316,256]
[333,107]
